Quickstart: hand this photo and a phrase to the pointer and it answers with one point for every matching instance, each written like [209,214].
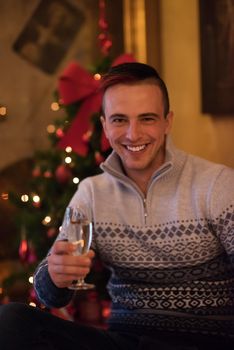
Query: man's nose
[133,131]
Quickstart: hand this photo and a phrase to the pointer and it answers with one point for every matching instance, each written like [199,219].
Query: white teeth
[136,148]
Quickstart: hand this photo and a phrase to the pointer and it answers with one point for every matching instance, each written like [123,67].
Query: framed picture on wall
[49,33]
[217,56]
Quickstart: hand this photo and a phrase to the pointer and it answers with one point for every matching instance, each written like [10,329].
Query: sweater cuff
[47,292]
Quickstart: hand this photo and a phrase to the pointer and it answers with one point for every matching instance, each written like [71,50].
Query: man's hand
[64,267]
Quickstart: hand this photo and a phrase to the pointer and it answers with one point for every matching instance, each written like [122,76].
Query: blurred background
[190,43]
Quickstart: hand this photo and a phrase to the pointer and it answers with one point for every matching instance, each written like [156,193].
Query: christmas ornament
[36,172]
[52,231]
[106,310]
[47,174]
[23,250]
[23,247]
[63,173]
[59,133]
[36,203]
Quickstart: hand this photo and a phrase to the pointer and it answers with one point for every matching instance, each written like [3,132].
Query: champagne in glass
[79,232]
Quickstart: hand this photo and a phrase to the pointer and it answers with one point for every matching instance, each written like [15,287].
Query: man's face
[135,126]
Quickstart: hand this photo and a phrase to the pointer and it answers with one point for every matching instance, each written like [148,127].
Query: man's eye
[148,120]
[118,120]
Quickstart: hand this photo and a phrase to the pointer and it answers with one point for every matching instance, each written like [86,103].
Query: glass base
[81,286]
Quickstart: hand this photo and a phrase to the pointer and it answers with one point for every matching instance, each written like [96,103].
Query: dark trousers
[25,327]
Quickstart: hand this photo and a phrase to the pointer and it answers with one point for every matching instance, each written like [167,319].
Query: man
[163,224]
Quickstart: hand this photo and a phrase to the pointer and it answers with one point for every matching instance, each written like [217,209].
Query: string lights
[62,168]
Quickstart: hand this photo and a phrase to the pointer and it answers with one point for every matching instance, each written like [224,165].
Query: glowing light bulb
[68,160]
[97,76]
[50,129]
[24,198]
[32,304]
[46,220]
[54,106]
[3,111]
[36,198]
[76,180]
[30,279]
[68,149]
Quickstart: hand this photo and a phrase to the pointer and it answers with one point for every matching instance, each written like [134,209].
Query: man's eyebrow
[149,114]
[122,115]
[117,115]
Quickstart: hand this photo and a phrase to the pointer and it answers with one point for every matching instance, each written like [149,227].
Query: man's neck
[143,178]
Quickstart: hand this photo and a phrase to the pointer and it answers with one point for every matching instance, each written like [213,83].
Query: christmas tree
[77,147]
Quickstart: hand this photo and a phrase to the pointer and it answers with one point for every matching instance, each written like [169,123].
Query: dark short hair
[133,72]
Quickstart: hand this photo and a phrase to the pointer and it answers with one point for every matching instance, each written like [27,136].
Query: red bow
[77,84]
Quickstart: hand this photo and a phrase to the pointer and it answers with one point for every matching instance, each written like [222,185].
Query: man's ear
[169,119]
[103,121]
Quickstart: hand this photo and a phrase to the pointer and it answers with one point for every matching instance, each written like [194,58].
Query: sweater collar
[113,164]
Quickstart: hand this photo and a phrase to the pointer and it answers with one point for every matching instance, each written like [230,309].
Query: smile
[135,148]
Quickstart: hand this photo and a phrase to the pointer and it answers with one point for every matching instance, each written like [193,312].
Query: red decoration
[27,252]
[63,173]
[47,174]
[106,310]
[52,231]
[77,84]
[23,250]
[36,204]
[104,36]
[59,133]
[36,172]
[98,158]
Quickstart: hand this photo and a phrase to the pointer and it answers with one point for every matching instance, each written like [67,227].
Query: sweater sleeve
[46,290]
[222,209]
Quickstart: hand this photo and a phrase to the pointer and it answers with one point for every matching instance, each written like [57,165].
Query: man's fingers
[62,247]
[64,267]
[70,270]
[70,260]
[65,247]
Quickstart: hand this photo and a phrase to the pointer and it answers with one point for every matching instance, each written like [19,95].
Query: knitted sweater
[171,253]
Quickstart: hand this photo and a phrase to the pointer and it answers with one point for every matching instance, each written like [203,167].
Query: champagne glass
[79,232]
